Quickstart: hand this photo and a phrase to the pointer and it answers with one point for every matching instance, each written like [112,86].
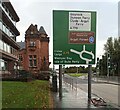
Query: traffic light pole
[108,66]
[97,69]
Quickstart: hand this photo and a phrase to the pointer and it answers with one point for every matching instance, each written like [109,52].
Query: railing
[8,54]
[8,16]
[72,82]
[114,79]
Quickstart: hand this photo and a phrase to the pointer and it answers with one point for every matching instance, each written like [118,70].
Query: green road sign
[74,37]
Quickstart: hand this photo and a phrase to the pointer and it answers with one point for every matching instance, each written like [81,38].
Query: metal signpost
[74,37]
[60,81]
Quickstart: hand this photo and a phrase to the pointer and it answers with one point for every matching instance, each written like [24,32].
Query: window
[3,5]
[8,49]
[1,44]
[20,57]
[11,50]
[32,43]
[6,66]
[11,34]
[44,60]
[31,32]
[0,24]
[3,65]
[32,60]
[4,47]
[4,28]
[7,32]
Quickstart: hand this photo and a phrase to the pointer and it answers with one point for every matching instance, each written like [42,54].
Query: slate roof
[42,31]
[32,28]
[21,44]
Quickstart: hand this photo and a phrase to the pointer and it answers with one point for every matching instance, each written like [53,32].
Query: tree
[112,47]
[73,69]
[109,46]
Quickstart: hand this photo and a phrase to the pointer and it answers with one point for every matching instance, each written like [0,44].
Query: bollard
[72,83]
[76,85]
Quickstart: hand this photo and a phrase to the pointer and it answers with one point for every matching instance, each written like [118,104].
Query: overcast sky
[40,12]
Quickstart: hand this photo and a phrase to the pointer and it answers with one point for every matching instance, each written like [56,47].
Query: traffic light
[109,60]
[109,66]
[97,63]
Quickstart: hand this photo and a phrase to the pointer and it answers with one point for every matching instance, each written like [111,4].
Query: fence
[114,79]
[71,82]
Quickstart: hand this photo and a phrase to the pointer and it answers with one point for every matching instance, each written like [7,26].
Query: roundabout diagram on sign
[82,52]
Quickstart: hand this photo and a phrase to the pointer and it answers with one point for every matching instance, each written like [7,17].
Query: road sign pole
[60,81]
[89,81]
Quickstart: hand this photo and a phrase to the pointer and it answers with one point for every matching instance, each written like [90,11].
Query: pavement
[73,98]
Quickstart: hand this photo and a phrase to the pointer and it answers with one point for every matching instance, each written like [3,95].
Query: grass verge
[34,94]
[77,74]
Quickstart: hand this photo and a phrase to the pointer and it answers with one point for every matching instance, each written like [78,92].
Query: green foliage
[24,74]
[109,46]
[74,69]
[71,70]
[33,94]
[112,47]
[21,75]
[104,66]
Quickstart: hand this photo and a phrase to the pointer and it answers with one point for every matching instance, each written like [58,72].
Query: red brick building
[34,52]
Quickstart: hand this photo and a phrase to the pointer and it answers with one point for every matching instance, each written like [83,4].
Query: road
[109,92]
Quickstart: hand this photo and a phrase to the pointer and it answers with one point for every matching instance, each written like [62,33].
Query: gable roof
[32,28]
[42,31]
